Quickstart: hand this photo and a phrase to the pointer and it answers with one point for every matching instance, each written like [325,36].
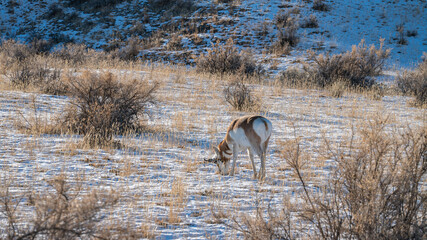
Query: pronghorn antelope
[248,132]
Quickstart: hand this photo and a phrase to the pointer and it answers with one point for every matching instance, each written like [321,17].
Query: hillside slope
[180,30]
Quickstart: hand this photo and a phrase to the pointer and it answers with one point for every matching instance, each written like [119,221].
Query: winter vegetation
[109,108]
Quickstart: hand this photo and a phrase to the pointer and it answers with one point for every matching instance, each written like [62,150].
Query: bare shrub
[24,67]
[20,74]
[40,45]
[356,67]
[13,51]
[103,106]
[310,22]
[415,83]
[130,51]
[320,5]
[239,96]
[14,61]
[223,59]
[375,190]
[35,121]
[262,224]
[174,43]
[172,7]
[287,27]
[401,38]
[78,54]
[412,33]
[93,5]
[65,212]
[295,78]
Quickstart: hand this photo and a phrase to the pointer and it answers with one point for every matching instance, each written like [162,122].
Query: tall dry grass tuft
[103,106]
[376,188]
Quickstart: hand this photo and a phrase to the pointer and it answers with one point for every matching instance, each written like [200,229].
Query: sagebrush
[102,105]
[62,212]
[415,83]
[227,59]
[357,67]
[240,97]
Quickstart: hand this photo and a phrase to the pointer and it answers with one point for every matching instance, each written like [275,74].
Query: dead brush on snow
[355,67]
[310,22]
[261,223]
[63,212]
[26,68]
[376,189]
[36,122]
[320,5]
[79,55]
[227,59]
[415,83]
[287,31]
[240,97]
[102,106]
[171,8]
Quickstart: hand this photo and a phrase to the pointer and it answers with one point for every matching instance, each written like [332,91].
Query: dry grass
[36,121]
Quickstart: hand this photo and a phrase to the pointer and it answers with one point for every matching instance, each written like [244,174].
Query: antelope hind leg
[251,157]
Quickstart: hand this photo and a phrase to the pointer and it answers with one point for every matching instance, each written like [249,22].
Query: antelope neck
[225,149]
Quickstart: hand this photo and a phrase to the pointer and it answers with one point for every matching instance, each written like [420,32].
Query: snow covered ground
[153,170]
[166,166]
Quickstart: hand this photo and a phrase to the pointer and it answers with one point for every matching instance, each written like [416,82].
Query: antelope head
[218,159]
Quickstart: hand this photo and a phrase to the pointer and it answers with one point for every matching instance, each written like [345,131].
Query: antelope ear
[216,150]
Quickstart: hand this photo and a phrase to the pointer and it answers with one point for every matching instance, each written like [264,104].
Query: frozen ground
[152,170]
[165,166]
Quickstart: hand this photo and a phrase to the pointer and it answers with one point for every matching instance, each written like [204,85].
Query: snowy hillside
[180,30]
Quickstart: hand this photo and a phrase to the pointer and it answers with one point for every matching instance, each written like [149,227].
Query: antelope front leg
[235,152]
[226,168]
